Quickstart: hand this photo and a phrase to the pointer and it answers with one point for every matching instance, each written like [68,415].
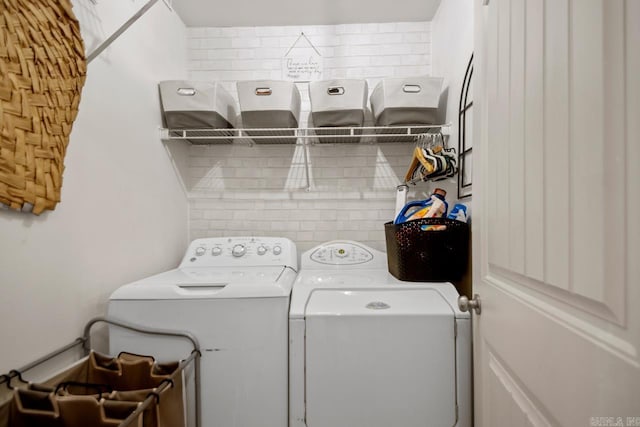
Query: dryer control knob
[262,250]
[277,250]
[200,251]
[216,251]
[238,250]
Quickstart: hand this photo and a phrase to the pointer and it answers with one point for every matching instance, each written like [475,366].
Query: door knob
[465,304]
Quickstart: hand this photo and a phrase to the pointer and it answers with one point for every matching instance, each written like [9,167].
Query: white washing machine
[233,295]
[368,350]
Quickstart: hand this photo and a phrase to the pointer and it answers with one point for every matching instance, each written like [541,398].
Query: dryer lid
[379,358]
[377,302]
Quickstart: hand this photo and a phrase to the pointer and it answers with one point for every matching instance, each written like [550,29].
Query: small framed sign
[302,64]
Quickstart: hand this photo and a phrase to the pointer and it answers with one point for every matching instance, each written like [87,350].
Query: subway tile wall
[349,190]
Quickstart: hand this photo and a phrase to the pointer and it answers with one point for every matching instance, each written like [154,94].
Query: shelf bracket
[105,44]
[307,165]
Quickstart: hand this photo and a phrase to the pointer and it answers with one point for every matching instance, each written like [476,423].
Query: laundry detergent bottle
[434,207]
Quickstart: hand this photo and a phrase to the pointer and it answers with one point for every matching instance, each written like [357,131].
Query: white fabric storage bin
[197,105]
[266,104]
[406,101]
[338,103]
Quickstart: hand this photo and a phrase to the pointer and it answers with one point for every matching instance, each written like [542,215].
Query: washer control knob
[262,250]
[216,251]
[238,250]
[277,250]
[200,251]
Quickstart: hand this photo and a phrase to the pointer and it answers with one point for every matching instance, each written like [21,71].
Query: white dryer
[233,295]
[368,350]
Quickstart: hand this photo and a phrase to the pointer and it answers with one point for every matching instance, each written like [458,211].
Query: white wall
[123,214]
[452,46]
[261,190]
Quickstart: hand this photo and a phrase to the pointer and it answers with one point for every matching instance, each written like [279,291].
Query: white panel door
[557,213]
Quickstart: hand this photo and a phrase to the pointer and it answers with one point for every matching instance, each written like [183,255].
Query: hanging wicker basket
[42,71]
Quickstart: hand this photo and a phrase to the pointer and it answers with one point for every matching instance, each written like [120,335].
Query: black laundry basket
[418,255]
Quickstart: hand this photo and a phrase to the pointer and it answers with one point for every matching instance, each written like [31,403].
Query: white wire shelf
[371,134]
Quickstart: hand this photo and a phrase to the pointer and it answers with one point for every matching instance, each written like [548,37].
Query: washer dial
[238,250]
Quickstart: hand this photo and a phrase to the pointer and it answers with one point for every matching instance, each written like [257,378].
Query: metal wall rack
[85,342]
[371,134]
[464,134]
[304,137]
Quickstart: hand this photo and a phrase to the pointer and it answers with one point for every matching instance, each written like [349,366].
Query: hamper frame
[85,342]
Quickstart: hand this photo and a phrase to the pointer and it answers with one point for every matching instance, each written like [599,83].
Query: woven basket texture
[42,71]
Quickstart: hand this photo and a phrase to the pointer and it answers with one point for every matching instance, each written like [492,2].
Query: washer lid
[377,302]
[198,283]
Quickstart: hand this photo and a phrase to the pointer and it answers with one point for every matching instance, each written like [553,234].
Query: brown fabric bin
[98,391]
[85,411]
[31,408]
[126,372]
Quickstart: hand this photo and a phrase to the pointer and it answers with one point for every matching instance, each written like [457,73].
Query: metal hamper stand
[85,341]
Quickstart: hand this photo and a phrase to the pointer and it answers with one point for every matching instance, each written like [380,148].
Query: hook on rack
[6,378]
[14,373]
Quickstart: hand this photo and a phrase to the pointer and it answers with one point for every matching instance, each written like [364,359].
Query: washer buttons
[277,250]
[341,253]
[200,251]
